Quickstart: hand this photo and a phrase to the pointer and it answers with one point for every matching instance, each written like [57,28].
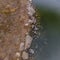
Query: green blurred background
[49,13]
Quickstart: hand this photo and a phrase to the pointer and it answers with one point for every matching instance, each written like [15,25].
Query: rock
[34,20]
[25,55]
[28,4]
[30,14]
[17,54]
[35,28]
[31,51]
[30,21]
[31,10]
[21,46]
[28,41]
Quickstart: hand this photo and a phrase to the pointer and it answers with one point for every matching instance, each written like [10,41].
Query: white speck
[26,24]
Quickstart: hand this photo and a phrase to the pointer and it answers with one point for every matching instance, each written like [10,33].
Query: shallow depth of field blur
[48,43]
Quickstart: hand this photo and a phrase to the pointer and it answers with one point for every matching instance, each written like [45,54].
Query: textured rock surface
[28,41]
[25,55]
[13,17]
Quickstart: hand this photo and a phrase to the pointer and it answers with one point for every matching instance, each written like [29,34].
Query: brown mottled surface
[13,16]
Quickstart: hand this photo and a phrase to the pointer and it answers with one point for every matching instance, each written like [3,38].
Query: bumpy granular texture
[13,16]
